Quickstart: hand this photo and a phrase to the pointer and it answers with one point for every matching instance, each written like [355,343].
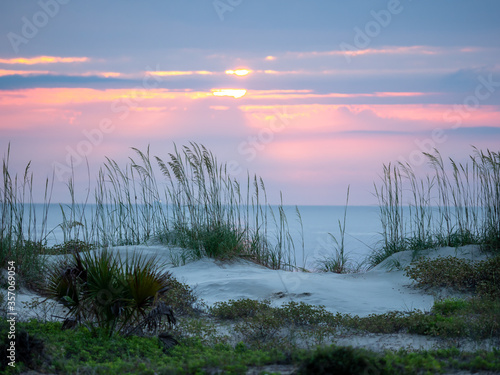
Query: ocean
[312,235]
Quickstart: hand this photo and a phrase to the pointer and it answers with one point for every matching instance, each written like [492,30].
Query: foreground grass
[79,351]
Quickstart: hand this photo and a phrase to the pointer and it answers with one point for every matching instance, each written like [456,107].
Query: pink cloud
[43,60]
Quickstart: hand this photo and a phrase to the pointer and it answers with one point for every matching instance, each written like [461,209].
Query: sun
[239,72]
[235,93]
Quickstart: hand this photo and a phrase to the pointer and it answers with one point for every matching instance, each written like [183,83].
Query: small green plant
[242,308]
[303,314]
[450,306]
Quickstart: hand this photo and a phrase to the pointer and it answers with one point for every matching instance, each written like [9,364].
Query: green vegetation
[80,351]
[343,360]
[262,335]
[54,350]
[213,217]
[202,208]
[476,318]
[482,277]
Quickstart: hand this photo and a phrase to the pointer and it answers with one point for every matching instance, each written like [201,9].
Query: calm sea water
[362,230]
[361,233]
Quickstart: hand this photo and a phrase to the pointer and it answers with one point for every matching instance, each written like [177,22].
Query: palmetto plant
[100,289]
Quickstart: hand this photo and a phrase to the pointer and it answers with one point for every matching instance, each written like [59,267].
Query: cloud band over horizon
[307,115]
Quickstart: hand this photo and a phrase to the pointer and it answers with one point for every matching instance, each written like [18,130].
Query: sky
[313,96]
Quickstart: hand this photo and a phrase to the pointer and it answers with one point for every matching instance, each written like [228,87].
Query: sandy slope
[376,291]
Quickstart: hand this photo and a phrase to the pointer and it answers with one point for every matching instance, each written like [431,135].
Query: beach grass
[200,207]
[23,228]
[455,205]
[339,261]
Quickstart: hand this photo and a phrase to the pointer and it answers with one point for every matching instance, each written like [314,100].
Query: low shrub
[390,322]
[342,360]
[464,275]
[242,308]
[29,350]
[180,297]
[444,272]
[450,306]
[220,241]
[301,314]
[488,278]
[28,259]
[263,331]
[476,318]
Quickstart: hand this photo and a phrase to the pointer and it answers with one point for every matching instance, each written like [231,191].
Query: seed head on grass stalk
[444,211]
[208,213]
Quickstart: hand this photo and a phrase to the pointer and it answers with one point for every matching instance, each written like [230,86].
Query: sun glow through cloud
[239,72]
[235,93]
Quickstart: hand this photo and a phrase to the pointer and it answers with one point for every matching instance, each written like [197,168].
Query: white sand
[376,291]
